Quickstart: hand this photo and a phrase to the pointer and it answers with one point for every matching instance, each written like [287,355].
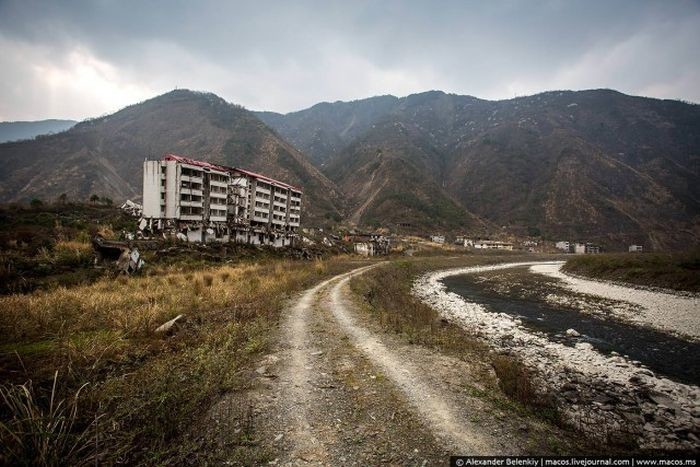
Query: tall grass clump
[67,253]
[45,432]
[515,379]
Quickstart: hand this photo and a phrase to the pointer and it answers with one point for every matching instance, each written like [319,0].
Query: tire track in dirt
[297,374]
[426,399]
[339,391]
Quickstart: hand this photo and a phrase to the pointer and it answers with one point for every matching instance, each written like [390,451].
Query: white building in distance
[490,245]
[586,249]
[437,239]
[563,246]
[205,202]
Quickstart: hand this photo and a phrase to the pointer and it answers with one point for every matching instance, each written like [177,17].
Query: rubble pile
[120,255]
[131,208]
[228,252]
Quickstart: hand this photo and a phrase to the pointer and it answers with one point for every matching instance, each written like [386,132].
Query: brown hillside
[591,165]
[104,156]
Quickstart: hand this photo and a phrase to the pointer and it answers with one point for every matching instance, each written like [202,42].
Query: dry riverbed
[606,395]
[670,312]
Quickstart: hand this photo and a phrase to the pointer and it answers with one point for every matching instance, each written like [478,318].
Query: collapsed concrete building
[578,248]
[201,202]
[369,244]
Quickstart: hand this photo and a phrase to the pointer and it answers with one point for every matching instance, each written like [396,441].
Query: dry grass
[135,307]
[148,388]
[516,380]
[385,293]
[44,431]
[67,253]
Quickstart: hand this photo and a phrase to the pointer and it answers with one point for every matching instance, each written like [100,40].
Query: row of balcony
[218,183]
[191,179]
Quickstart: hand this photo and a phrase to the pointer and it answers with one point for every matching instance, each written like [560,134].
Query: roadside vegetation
[676,271]
[49,246]
[86,377]
[45,246]
[386,295]
[504,381]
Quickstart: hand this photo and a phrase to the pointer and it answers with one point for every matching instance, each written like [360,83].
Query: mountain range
[16,131]
[105,155]
[592,165]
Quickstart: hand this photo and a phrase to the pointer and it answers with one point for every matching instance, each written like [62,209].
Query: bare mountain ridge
[591,165]
[17,131]
[326,128]
[105,155]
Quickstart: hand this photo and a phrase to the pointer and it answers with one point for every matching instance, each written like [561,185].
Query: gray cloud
[80,59]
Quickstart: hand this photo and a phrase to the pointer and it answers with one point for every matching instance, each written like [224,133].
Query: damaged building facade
[202,202]
[372,244]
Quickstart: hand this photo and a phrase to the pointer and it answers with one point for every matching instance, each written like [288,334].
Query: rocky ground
[608,397]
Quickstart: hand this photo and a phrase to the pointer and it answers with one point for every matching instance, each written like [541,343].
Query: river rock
[572,332]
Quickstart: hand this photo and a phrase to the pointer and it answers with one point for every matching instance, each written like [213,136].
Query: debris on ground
[131,208]
[171,326]
[125,259]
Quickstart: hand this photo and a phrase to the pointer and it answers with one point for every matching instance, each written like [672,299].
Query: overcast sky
[73,59]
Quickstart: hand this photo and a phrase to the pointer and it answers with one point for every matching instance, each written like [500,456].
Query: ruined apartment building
[205,202]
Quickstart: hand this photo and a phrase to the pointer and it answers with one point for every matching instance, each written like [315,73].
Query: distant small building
[563,246]
[437,239]
[364,248]
[636,249]
[530,245]
[372,244]
[491,245]
[459,240]
[586,249]
[371,248]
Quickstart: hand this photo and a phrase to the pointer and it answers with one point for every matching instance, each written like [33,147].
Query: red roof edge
[223,168]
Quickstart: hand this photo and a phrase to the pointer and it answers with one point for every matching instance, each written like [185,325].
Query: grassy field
[677,271]
[49,246]
[126,393]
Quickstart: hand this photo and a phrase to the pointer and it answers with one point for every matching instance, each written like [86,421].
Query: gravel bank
[669,312]
[608,397]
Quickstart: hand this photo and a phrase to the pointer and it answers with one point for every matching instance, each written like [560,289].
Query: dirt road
[339,390]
